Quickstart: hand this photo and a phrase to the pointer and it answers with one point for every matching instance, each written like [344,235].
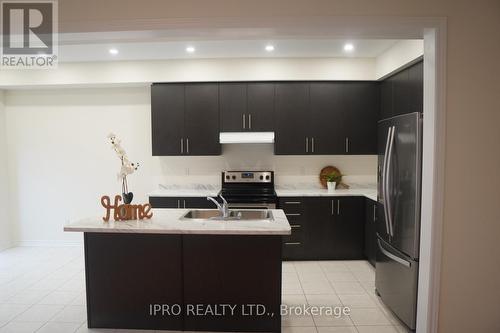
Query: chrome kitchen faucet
[222,208]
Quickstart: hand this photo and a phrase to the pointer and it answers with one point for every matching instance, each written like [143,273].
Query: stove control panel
[247,176]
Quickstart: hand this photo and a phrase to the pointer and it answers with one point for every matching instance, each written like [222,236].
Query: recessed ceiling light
[269,48]
[190,49]
[113,51]
[348,47]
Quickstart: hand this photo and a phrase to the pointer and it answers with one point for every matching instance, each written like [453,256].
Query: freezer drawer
[396,282]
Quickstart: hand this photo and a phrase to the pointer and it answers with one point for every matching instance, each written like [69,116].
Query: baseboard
[47,243]
[5,245]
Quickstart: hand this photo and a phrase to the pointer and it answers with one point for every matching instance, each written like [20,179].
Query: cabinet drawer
[181,202]
[164,202]
[293,207]
[291,242]
[295,220]
[296,236]
[293,250]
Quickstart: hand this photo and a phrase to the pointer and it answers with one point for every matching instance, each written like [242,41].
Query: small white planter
[331,186]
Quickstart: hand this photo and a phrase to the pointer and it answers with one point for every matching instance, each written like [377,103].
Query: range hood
[246,137]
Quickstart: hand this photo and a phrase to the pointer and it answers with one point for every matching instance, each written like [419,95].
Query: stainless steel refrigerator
[398,225]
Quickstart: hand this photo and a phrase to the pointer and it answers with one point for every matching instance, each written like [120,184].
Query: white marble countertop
[183,192]
[167,221]
[281,191]
[321,192]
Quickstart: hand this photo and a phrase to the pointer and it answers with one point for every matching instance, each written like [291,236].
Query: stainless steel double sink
[234,215]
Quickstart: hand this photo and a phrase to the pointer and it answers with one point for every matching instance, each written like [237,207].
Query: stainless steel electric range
[249,189]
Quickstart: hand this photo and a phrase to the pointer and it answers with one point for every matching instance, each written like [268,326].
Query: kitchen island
[170,273]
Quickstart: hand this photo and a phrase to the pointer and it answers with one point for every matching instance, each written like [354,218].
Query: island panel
[237,270]
[125,273]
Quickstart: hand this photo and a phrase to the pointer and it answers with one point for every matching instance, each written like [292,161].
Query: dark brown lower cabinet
[370,230]
[180,202]
[324,228]
[126,273]
[235,270]
[295,245]
[174,282]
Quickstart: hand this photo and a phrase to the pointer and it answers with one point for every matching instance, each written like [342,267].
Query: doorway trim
[432,30]
[433,169]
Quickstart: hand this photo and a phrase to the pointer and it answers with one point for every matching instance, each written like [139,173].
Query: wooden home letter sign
[125,212]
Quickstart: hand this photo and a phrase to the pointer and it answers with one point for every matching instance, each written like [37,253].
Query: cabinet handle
[182,146]
[338,207]
[292,202]
[293,243]
[332,207]
[244,120]
[295,214]
[293,226]
[312,145]
[184,203]
[346,145]
[250,121]
[187,145]
[307,145]
[374,213]
[178,204]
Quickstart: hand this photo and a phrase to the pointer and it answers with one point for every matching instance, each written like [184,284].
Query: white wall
[5,231]
[398,55]
[60,162]
[136,73]
[469,296]
[144,72]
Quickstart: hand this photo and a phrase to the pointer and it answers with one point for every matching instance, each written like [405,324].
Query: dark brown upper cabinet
[308,118]
[185,119]
[261,106]
[416,86]
[201,119]
[246,107]
[326,129]
[326,118]
[402,92]
[167,118]
[360,113]
[233,106]
[292,119]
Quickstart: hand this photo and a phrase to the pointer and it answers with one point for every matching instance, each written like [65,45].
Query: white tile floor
[43,290]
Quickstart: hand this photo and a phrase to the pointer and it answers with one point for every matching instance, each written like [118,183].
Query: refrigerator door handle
[384,176]
[392,256]
[387,196]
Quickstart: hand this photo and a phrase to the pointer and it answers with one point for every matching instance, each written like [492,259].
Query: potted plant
[332,179]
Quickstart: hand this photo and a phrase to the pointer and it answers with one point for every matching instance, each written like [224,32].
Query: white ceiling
[88,50]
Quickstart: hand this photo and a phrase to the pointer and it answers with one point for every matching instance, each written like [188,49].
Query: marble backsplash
[209,183]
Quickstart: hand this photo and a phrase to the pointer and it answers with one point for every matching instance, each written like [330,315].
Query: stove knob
[261,177]
[234,177]
[267,177]
[227,177]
